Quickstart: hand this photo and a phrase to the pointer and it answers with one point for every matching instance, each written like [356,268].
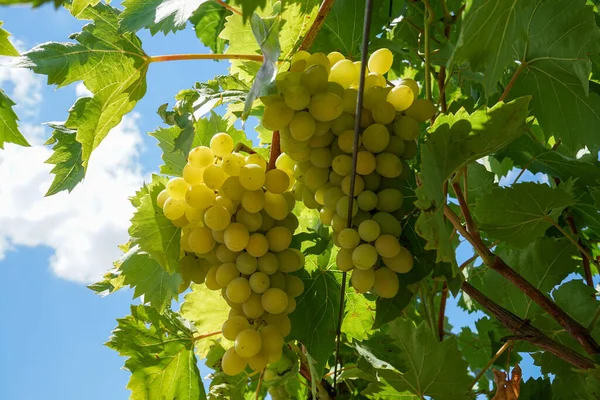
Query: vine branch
[514,78]
[586,261]
[275,150]
[500,351]
[442,314]
[180,57]
[204,336]
[429,16]
[229,7]
[308,40]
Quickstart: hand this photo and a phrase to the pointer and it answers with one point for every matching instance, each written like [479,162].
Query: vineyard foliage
[516,89]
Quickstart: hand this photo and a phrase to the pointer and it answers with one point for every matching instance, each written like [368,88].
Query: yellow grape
[365,162]
[238,290]
[234,325]
[277,280]
[387,246]
[174,209]
[375,138]
[410,149]
[200,196]
[348,238]
[276,116]
[252,177]
[290,260]
[252,307]
[401,97]
[221,144]
[162,198]
[314,78]
[232,363]
[257,159]
[367,201]
[315,177]
[421,110]
[225,274]
[389,200]
[277,181]
[407,128]
[201,156]
[192,175]
[181,221]
[194,215]
[349,99]
[285,80]
[213,176]
[219,237]
[259,282]
[253,200]
[346,141]
[321,191]
[359,185]
[279,238]
[258,245]
[388,165]
[402,262]
[259,361]
[384,112]
[318,59]
[369,230]
[412,84]
[362,280]
[233,163]
[343,123]
[225,255]
[267,221]
[177,188]
[386,283]
[374,96]
[236,237]
[381,61]
[372,181]
[342,165]
[300,55]
[252,221]
[335,57]
[395,146]
[217,218]
[321,141]
[246,263]
[268,263]
[211,278]
[374,79]
[281,322]
[325,106]
[291,305]
[225,202]
[201,240]
[332,195]
[364,256]
[366,118]
[274,300]
[342,207]
[284,162]
[232,188]
[248,343]
[275,206]
[302,126]
[297,97]
[343,72]
[192,269]
[294,285]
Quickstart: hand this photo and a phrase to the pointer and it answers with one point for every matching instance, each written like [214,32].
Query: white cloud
[82,91]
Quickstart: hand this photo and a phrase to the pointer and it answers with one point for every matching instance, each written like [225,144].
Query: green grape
[342,123]
[219,237]
[366,118]
[318,59]
[258,245]
[302,126]
[421,110]
[388,165]
[210,257]
[407,128]
[194,215]
[412,84]
[232,188]
[291,305]
[367,200]
[276,116]
[245,263]
[395,146]
[342,165]
[410,149]
[213,176]
[234,325]
[359,185]
[349,99]
[386,283]
[290,260]
[335,149]
[281,322]
[384,113]
[225,255]
[211,278]
[325,106]
[294,285]
[279,238]
[342,207]
[181,221]
[314,78]
[321,128]
[335,57]
[268,263]
[236,237]
[177,188]
[401,97]
[192,175]
[375,138]
[374,96]
[388,224]
[248,343]
[401,262]
[332,195]
[233,364]
[267,221]
[338,223]
[362,280]
[253,201]
[232,164]
[162,198]
[296,97]
[381,61]
[389,200]
[200,196]
[290,200]
[274,300]
[335,88]
[277,280]
[285,80]
[364,256]
[276,181]
[346,141]
[225,202]
[252,307]
[321,158]
[358,66]
[272,338]
[343,72]
[221,144]
[290,222]
[365,162]
[325,215]
[201,240]
[321,191]
[259,361]
[217,218]
[192,270]
[348,238]
[259,282]
[373,79]
[300,154]
[343,260]
[226,273]
[252,177]
[335,178]
[257,159]
[369,230]
[238,290]
[300,55]
[174,209]
[387,246]
[316,177]
[276,206]
[252,221]
[201,157]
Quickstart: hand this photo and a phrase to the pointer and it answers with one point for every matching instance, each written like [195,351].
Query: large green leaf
[160,351]
[423,365]
[209,21]
[68,166]
[6,47]
[112,66]
[34,3]
[78,6]
[359,315]
[152,231]
[149,279]
[9,130]
[174,160]
[522,212]
[157,15]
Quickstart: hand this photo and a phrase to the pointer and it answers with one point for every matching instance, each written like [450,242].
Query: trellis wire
[358,114]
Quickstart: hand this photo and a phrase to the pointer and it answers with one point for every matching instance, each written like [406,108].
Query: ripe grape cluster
[237,227]
[315,115]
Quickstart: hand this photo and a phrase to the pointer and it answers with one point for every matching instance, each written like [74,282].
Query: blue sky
[54,327]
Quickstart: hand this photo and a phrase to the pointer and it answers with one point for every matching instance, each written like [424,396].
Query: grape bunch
[237,227]
[315,115]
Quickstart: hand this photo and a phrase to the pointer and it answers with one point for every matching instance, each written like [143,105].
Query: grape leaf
[157,15]
[34,3]
[568,383]
[384,391]
[207,310]
[479,182]
[314,321]
[78,6]
[6,47]
[149,279]
[526,151]
[208,21]
[68,166]
[9,130]
[409,350]
[111,282]
[160,351]
[152,231]
[522,212]
[174,161]
[112,66]
[217,91]
[359,315]
[534,389]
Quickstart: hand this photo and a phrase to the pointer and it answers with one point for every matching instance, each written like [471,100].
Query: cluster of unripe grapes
[237,227]
[315,115]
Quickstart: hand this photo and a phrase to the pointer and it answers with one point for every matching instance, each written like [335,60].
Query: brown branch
[326,6]
[441,315]
[523,330]
[179,57]
[512,81]
[230,8]
[275,151]
[260,379]
[500,351]
[204,336]
[586,262]
[464,207]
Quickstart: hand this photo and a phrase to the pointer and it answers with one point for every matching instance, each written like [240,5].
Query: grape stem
[442,314]
[204,336]
[586,261]
[180,57]
[260,379]
[429,16]
[230,8]
[275,150]
[308,40]
[513,80]
[492,361]
[244,147]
